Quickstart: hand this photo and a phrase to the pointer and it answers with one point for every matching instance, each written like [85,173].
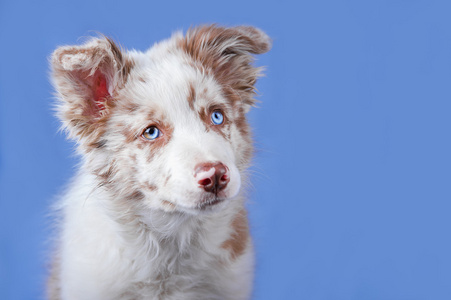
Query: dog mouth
[205,203]
[209,203]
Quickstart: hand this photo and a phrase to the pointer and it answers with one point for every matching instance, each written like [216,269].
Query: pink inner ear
[100,90]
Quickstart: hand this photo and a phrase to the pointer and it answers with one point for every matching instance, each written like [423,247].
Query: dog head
[166,127]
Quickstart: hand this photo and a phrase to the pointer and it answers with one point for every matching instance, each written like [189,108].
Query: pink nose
[212,177]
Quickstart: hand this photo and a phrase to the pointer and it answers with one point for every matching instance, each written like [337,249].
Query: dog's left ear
[227,53]
[87,77]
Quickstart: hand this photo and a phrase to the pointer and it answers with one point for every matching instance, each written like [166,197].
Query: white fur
[143,233]
[102,259]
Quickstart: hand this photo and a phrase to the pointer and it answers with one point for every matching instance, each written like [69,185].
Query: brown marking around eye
[222,129]
[156,146]
[133,134]
[204,116]
[130,133]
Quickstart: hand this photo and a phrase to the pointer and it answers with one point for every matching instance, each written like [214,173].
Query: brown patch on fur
[99,144]
[246,149]
[150,187]
[168,204]
[142,80]
[88,129]
[191,96]
[106,175]
[141,146]
[242,125]
[226,52]
[238,240]
[136,196]
[167,179]
[129,135]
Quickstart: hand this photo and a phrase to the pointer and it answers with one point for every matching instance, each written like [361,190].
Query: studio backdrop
[350,194]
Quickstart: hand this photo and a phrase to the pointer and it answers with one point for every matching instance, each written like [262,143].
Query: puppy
[156,210]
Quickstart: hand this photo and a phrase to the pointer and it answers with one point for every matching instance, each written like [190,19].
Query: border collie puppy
[156,210]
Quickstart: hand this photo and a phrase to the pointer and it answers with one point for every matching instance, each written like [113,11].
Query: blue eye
[217,118]
[151,133]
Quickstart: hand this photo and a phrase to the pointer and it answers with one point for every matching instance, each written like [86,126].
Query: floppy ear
[227,53]
[86,79]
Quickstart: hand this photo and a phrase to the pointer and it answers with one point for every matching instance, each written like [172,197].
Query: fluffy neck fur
[138,249]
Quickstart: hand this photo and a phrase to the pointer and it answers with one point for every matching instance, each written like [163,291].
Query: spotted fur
[134,223]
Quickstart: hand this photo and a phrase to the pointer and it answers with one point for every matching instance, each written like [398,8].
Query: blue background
[351,189]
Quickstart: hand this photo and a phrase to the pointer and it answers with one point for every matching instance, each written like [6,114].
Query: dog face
[166,127]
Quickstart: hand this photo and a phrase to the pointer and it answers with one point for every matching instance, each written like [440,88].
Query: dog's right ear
[86,79]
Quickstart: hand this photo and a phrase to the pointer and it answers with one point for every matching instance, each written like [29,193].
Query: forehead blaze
[130,121]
